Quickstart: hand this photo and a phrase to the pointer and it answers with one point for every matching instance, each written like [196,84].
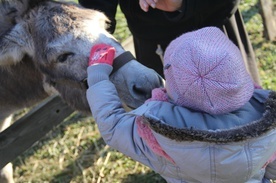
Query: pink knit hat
[204,71]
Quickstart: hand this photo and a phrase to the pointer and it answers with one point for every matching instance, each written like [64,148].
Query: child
[208,124]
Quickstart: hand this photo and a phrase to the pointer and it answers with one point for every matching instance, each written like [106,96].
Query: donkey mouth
[84,84]
[81,84]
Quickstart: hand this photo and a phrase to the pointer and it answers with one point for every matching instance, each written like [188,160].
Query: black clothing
[156,27]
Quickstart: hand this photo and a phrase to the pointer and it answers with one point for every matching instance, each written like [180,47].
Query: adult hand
[165,5]
[101,54]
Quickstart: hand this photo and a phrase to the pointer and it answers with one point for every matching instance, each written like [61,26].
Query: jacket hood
[240,133]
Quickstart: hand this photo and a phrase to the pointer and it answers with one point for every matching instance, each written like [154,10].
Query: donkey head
[58,37]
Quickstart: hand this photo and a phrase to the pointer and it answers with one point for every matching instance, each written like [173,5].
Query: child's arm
[117,127]
[102,95]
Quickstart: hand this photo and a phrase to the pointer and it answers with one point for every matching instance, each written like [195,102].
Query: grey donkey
[44,49]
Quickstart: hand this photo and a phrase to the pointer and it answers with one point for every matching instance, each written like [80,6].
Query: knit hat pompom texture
[204,71]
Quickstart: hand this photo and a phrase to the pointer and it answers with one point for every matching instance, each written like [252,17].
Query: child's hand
[101,54]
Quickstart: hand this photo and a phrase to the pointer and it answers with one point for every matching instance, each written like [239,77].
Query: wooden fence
[23,133]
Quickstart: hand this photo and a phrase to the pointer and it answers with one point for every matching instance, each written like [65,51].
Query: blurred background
[74,151]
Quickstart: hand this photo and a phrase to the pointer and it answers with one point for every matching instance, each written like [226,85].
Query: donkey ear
[15,44]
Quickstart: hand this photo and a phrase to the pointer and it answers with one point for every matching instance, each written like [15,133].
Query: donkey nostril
[141,91]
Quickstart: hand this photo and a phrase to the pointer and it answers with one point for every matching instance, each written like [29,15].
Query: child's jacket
[235,147]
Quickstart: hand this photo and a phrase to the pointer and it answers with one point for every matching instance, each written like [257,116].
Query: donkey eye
[64,57]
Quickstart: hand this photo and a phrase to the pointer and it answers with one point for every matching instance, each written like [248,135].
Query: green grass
[265,51]
[74,152]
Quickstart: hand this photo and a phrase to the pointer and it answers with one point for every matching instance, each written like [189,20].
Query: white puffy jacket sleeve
[117,127]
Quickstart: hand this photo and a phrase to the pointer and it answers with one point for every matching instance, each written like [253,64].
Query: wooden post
[23,133]
[269,19]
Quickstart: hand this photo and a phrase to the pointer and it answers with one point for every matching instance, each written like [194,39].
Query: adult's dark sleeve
[108,7]
[215,11]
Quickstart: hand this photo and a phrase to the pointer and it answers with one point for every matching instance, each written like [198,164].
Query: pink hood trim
[145,132]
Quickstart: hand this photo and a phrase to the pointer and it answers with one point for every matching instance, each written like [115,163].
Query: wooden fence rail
[23,133]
